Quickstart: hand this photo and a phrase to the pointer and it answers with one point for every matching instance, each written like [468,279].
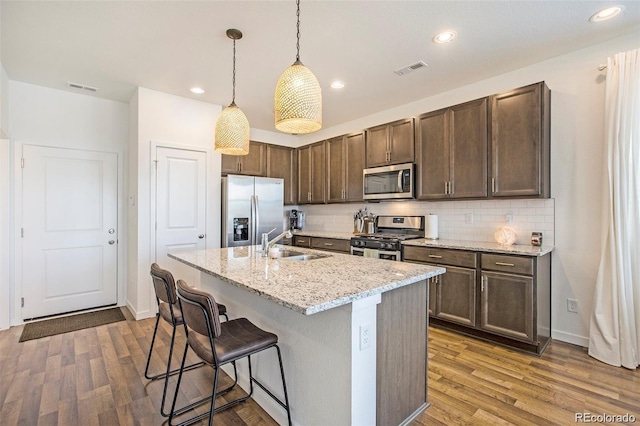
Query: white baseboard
[261,397]
[139,315]
[570,338]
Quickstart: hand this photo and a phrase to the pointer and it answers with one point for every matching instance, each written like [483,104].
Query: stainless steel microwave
[388,182]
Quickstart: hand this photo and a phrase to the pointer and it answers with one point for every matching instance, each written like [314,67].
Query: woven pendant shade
[298,101]
[232,132]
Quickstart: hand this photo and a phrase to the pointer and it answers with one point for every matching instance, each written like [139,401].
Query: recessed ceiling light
[337,84]
[197,90]
[444,37]
[606,13]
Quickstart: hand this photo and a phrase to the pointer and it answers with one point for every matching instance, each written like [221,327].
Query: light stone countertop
[307,287]
[518,249]
[325,234]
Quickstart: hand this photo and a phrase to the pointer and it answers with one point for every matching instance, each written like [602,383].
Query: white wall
[577,135]
[158,117]
[57,118]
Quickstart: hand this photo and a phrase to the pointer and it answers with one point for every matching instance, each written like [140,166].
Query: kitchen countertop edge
[516,249]
[320,307]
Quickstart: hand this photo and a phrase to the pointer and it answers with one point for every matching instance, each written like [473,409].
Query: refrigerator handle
[256,220]
[252,224]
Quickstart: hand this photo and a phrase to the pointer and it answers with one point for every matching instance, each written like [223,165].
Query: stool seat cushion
[165,313]
[238,338]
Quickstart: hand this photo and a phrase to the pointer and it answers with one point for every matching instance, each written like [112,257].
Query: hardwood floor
[475,382]
[94,377]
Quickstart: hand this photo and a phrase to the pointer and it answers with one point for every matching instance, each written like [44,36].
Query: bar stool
[218,344]
[169,309]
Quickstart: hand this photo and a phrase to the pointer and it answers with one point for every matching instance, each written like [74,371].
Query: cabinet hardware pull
[328,244]
[493,185]
[505,264]
[445,188]
[435,256]
[482,283]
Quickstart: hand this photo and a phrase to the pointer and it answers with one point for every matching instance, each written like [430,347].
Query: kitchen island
[353,330]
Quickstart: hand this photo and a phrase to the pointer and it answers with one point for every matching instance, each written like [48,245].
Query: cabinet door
[281,163]
[456,296]
[469,147]
[318,165]
[304,175]
[335,170]
[506,305]
[432,149]
[354,163]
[519,143]
[230,164]
[254,163]
[401,142]
[377,146]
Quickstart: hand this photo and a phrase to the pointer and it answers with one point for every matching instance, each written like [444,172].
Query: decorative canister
[536,238]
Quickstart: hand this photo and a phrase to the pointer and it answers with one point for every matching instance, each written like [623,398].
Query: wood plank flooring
[94,377]
[475,382]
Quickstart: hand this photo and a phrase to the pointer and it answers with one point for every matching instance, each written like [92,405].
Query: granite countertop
[311,286]
[324,234]
[523,249]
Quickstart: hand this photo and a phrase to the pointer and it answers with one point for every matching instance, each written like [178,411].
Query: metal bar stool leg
[153,340]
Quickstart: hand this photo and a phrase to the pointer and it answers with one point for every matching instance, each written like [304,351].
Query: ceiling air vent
[81,87]
[411,68]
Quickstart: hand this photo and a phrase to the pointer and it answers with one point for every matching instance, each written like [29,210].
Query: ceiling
[171,46]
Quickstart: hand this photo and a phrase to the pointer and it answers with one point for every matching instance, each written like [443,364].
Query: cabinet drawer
[465,259]
[512,264]
[331,244]
[301,241]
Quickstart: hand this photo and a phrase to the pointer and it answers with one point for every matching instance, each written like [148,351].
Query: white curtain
[615,324]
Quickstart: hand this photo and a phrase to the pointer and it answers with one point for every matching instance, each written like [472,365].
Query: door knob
[201,236]
[111,230]
[111,242]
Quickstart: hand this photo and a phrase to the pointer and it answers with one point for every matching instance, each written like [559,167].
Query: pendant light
[232,126]
[298,99]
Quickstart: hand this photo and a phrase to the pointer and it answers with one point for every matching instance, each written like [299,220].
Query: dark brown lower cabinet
[456,295]
[497,297]
[507,305]
[321,243]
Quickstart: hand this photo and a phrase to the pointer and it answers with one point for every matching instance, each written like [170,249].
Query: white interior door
[180,208]
[69,230]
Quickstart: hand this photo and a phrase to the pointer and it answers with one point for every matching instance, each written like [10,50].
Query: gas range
[391,231]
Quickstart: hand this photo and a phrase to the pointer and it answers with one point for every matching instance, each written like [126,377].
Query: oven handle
[361,250]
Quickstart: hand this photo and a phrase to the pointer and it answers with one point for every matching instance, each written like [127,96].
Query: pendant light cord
[298,33]
[233,99]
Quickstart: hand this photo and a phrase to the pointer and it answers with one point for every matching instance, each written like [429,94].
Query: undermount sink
[298,255]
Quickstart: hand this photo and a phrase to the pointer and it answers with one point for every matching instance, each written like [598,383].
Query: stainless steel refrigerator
[251,206]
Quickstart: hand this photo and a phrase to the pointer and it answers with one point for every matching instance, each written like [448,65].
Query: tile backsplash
[457,220]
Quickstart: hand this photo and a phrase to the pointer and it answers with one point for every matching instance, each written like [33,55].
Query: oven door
[389,182]
[382,254]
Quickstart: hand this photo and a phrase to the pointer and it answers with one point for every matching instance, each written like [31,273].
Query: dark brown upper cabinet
[311,173]
[253,164]
[345,162]
[390,143]
[451,152]
[520,142]
[282,163]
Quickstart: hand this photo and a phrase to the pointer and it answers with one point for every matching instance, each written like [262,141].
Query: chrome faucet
[286,233]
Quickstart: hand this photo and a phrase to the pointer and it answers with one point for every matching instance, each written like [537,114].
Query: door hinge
[22,163]
[22,302]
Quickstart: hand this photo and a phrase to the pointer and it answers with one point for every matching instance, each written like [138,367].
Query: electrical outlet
[468,218]
[508,218]
[572,305]
[365,336]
